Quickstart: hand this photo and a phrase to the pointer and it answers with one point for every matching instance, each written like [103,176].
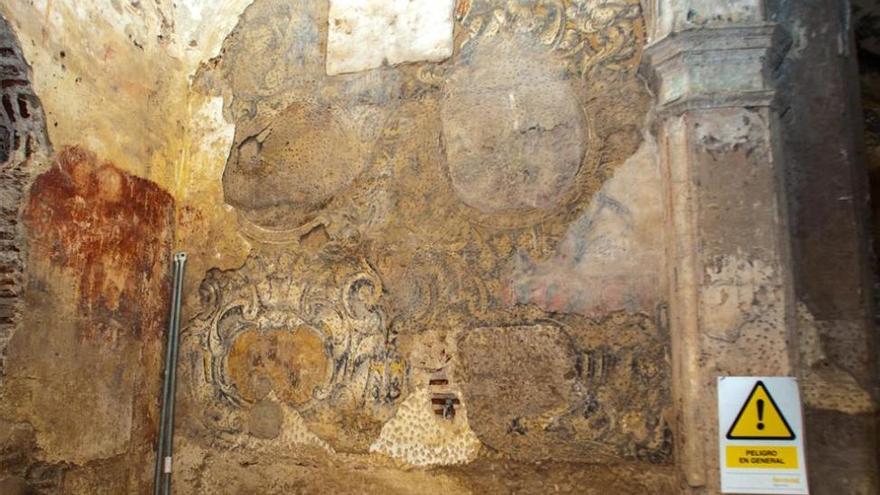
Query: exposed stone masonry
[22,139]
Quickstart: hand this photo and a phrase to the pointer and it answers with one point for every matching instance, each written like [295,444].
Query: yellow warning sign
[741,456]
[760,419]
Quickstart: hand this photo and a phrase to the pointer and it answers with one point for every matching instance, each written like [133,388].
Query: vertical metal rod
[169,428]
[163,450]
[160,449]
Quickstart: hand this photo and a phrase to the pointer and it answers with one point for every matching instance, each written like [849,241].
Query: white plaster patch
[202,25]
[742,296]
[211,139]
[215,132]
[365,34]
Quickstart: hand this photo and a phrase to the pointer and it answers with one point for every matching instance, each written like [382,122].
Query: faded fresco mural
[415,231]
[434,246]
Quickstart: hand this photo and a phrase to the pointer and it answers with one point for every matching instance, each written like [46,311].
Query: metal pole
[169,429]
[163,450]
[160,450]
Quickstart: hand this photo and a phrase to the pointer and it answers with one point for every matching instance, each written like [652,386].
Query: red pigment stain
[189,215]
[112,230]
[588,295]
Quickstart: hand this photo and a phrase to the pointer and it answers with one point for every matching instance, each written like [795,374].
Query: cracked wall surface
[399,240]
[830,205]
[440,270]
[93,231]
[347,234]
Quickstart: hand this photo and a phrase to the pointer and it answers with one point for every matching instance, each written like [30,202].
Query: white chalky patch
[365,34]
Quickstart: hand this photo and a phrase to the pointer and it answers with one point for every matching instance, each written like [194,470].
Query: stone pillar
[731,294]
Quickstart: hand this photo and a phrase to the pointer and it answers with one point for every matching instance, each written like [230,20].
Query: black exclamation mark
[760,414]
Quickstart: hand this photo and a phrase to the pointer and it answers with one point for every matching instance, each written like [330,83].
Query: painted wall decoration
[394,214]
[98,289]
[309,329]
[428,242]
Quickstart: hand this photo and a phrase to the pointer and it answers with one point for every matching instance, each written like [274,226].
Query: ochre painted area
[86,364]
[290,363]
[450,270]
[110,229]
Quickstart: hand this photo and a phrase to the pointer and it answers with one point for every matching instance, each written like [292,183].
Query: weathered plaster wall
[86,246]
[111,233]
[674,16]
[440,271]
[113,75]
[92,232]
[381,251]
[84,363]
[829,208]
[372,253]
[100,69]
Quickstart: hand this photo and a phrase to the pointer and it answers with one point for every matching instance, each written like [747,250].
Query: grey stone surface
[265,419]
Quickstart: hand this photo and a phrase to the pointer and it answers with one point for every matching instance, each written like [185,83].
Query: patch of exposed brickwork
[23,141]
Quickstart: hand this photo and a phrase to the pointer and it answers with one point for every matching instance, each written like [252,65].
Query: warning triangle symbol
[760,418]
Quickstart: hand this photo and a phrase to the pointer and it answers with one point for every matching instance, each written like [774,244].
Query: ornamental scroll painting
[309,331]
[387,210]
